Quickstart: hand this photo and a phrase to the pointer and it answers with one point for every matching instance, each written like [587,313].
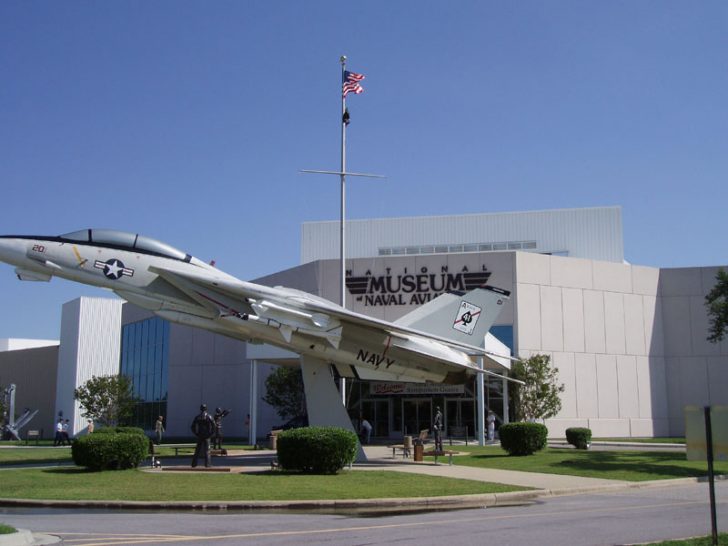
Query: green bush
[114,430]
[317,450]
[110,450]
[523,438]
[579,437]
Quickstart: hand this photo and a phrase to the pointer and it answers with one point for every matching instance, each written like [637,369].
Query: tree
[539,397]
[284,391]
[107,399]
[717,303]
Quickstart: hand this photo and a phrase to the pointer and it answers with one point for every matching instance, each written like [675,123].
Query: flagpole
[342,258]
[343,191]
[342,177]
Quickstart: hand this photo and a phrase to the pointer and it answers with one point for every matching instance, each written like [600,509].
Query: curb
[450,502]
[26,538]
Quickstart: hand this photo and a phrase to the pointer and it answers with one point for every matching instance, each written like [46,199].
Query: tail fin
[464,317]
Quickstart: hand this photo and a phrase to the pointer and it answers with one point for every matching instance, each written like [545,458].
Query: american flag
[351,83]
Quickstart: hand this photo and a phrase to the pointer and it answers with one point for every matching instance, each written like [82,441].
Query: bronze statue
[217,438]
[203,427]
[437,429]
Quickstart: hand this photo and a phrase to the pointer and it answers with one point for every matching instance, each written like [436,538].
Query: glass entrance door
[416,415]
[460,414]
[377,413]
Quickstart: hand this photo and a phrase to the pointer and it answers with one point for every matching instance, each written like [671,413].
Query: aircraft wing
[318,309]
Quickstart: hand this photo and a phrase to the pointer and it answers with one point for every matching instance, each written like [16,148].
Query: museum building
[629,341]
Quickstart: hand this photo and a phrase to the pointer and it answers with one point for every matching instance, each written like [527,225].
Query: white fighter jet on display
[437,342]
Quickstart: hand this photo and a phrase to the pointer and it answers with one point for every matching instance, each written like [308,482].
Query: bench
[177,447]
[437,454]
[406,446]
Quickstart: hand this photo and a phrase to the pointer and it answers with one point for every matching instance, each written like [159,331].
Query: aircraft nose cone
[12,250]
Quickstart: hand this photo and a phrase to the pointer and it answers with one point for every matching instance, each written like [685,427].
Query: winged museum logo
[412,287]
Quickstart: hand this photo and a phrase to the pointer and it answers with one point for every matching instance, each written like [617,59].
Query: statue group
[205,427]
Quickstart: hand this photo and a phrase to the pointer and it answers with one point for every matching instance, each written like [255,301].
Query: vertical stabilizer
[461,316]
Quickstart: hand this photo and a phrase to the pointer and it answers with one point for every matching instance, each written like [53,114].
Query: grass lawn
[40,455]
[670,440]
[34,455]
[77,484]
[616,465]
[699,541]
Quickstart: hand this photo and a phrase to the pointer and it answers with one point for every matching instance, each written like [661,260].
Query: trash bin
[419,453]
[273,440]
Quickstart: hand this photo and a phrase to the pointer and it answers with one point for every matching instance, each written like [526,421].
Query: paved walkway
[380,458]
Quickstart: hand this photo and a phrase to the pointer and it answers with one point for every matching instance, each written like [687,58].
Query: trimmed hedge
[114,430]
[579,437]
[316,450]
[110,450]
[523,438]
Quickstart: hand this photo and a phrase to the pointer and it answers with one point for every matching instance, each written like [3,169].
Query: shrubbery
[579,437]
[523,438]
[113,430]
[317,450]
[108,449]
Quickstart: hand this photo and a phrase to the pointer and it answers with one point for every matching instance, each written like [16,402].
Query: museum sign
[411,286]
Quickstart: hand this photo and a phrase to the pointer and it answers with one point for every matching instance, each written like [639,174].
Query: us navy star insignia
[114,269]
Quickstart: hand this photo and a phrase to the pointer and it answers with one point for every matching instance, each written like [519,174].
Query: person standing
[203,427]
[491,425]
[65,437]
[90,426]
[159,429]
[437,429]
[58,439]
[366,430]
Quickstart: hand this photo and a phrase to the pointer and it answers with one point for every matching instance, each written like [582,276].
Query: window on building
[145,360]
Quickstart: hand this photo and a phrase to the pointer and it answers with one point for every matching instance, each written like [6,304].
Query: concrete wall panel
[718,380]
[564,362]
[612,277]
[571,272]
[680,282]
[607,387]
[676,324]
[654,338]
[634,325]
[614,323]
[645,280]
[615,428]
[586,385]
[528,305]
[594,335]
[552,320]
[573,306]
[533,268]
[628,387]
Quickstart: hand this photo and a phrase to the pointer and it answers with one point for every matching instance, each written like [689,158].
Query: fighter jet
[438,342]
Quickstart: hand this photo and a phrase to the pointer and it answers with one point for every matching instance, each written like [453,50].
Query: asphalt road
[622,517]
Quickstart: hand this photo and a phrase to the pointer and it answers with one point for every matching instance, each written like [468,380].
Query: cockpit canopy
[123,240]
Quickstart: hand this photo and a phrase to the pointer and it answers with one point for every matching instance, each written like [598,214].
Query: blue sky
[189,121]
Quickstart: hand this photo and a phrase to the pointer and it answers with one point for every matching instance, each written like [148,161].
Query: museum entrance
[460,416]
[397,409]
[416,415]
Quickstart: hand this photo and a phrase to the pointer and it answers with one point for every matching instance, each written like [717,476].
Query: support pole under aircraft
[252,426]
[323,404]
[480,393]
